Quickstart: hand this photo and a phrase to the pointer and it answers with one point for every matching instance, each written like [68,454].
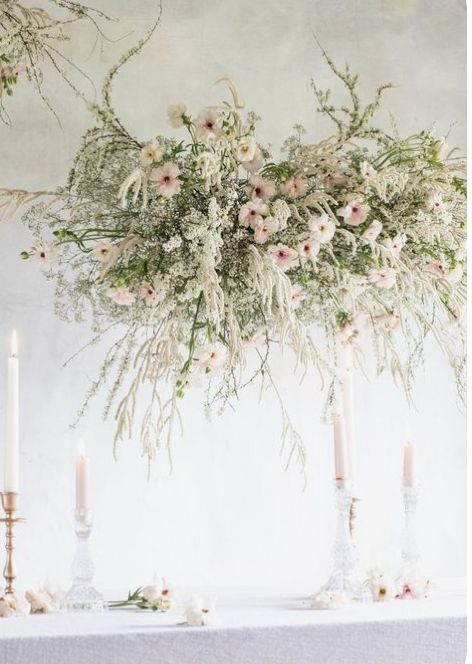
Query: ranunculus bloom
[252,213]
[283,256]
[150,295]
[264,229]
[121,295]
[105,252]
[166,179]
[208,124]
[259,188]
[176,113]
[322,228]
[246,149]
[308,249]
[434,202]
[294,187]
[383,277]
[372,231]
[151,152]
[354,212]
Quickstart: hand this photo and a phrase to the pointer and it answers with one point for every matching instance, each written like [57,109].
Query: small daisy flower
[367,171]
[298,295]
[150,295]
[434,202]
[45,255]
[255,164]
[372,231]
[308,249]
[211,357]
[264,229]
[395,245]
[246,150]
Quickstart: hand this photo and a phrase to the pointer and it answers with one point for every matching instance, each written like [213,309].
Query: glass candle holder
[410,551]
[82,596]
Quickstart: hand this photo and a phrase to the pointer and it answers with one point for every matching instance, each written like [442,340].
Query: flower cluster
[412,585]
[155,597]
[202,247]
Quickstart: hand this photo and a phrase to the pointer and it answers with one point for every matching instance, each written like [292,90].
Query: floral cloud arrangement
[201,248]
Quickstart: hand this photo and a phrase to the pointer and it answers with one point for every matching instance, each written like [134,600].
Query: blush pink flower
[121,295]
[435,268]
[150,295]
[255,164]
[434,202]
[208,124]
[294,187]
[322,228]
[45,255]
[166,179]
[252,213]
[372,232]
[332,180]
[308,249]
[395,245]
[283,256]
[211,357]
[383,277]
[261,189]
[264,229]
[354,213]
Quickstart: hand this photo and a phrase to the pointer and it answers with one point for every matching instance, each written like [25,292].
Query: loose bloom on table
[384,277]
[200,612]
[381,585]
[13,605]
[354,213]
[208,124]
[260,189]
[252,213]
[415,587]
[372,231]
[294,187]
[322,228]
[329,600]
[46,599]
[105,252]
[284,257]
[176,113]
[121,295]
[166,179]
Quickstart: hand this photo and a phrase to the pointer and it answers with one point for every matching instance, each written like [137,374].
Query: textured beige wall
[230,513]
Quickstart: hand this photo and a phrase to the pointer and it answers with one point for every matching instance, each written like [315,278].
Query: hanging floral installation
[31,37]
[203,249]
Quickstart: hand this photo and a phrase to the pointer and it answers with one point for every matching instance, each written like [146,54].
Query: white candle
[81,481]
[341,467]
[408,464]
[348,406]
[11,482]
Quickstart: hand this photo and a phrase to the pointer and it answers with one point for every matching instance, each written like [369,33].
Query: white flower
[461,251]
[298,295]
[281,211]
[354,213]
[367,170]
[260,189]
[166,179]
[372,231]
[246,149]
[211,357]
[208,124]
[45,255]
[329,600]
[382,586]
[47,599]
[396,244]
[176,113]
[383,277]
[308,249]
[151,152]
[105,252]
[283,256]
[255,164]
[434,202]
[294,187]
[150,295]
[322,228]
[151,593]
[252,213]
[121,295]
[11,605]
[264,229]
[200,613]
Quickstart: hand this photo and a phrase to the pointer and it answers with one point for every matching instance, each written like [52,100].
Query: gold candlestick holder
[10,502]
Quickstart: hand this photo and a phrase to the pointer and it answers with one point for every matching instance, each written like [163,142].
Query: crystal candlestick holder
[82,596]
[410,551]
[343,580]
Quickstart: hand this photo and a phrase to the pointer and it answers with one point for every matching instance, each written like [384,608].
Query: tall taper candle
[408,464]
[340,453]
[11,481]
[81,482]
[348,406]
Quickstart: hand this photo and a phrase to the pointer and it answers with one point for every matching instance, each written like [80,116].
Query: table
[253,628]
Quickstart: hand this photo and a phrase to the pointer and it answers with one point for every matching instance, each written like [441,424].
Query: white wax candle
[11,472]
[348,405]
[81,480]
[340,452]
[408,464]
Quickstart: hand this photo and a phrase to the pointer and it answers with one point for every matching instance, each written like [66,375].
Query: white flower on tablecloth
[45,255]
[381,585]
[11,605]
[294,187]
[395,245]
[354,213]
[208,124]
[166,179]
[246,149]
[260,189]
[329,600]
[383,277]
[47,599]
[175,113]
[105,252]
[151,152]
[322,228]
[121,295]
[252,213]
[413,587]
[308,249]
[372,231]
[434,202]
[283,256]
[367,170]
[211,357]
[200,612]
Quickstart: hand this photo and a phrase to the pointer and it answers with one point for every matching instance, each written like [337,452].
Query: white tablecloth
[253,629]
